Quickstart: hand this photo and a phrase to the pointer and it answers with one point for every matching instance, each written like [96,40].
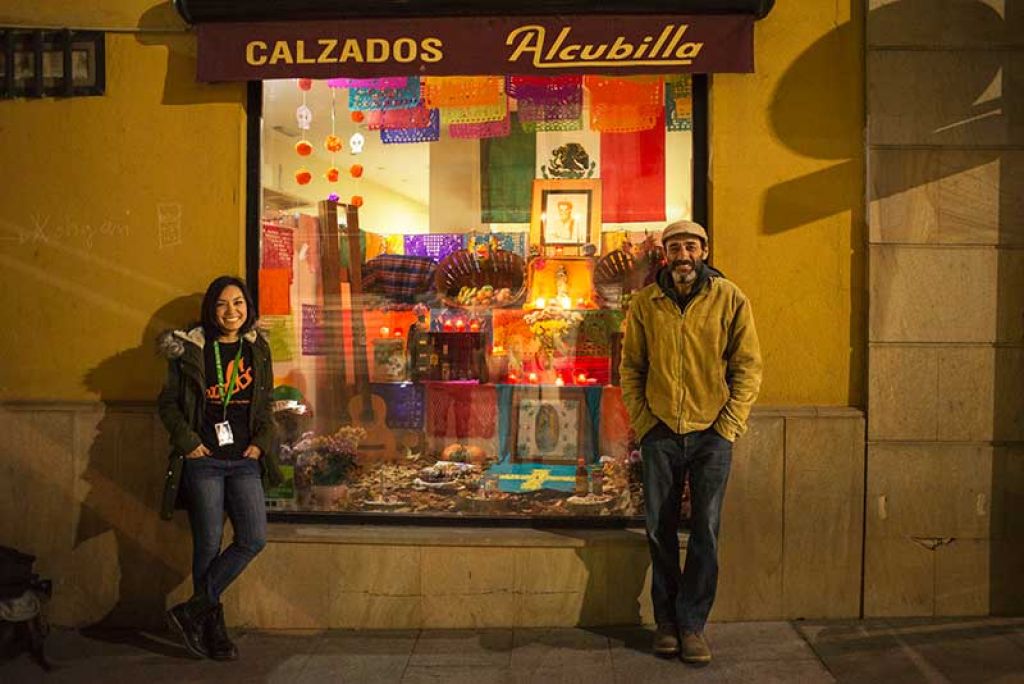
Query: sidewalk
[960,650]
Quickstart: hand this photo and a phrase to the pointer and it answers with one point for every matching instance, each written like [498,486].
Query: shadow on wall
[956,122]
[614,591]
[161,25]
[817,112]
[124,475]
[971,111]
[811,116]
[1006,592]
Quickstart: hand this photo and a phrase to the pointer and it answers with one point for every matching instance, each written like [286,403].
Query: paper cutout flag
[633,175]
[506,176]
[275,291]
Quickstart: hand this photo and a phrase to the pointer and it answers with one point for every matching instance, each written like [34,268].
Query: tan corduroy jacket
[691,370]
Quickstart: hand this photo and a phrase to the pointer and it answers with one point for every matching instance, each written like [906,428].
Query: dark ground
[926,650]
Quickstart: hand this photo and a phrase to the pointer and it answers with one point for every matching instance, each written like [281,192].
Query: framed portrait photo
[566,215]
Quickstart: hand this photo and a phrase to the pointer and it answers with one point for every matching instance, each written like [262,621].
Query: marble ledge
[404,535]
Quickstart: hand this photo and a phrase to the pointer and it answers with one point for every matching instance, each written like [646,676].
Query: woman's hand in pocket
[199,452]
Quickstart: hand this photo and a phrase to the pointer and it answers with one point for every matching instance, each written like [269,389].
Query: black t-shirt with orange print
[241,399]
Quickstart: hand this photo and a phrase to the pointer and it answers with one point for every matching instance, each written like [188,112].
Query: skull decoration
[356,142]
[303,116]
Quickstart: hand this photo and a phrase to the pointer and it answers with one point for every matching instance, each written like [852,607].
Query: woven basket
[613,268]
[618,273]
[645,269]
[610,277]
[462,269]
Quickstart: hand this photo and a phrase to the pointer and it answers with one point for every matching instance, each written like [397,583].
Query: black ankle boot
[218,643]
[189,620]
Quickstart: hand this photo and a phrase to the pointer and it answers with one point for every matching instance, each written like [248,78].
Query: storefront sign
[476,45]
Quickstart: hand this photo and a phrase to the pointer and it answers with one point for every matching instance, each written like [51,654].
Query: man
[691,368]
[564,229]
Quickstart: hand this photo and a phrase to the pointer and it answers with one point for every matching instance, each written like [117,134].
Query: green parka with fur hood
[181,405]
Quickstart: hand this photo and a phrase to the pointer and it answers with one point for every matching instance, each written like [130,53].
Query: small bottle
[434,359]
[597,481]
[582,486]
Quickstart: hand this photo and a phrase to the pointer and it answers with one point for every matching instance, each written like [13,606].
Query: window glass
[445,265]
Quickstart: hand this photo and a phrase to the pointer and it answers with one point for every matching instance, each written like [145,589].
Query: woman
[216,408]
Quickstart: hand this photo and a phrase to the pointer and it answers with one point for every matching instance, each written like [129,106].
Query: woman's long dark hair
[208,311]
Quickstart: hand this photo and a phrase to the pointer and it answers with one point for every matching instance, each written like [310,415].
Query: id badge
[224,436]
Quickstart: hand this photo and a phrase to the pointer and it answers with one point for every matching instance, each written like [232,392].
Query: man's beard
[685,278]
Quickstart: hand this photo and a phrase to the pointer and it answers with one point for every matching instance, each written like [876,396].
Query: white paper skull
[303,116]
[356,142]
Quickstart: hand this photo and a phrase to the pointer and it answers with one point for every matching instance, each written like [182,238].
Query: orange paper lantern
[333,143]
[303,176]
[303,148]
[356,170]
[356,201]
[332,174]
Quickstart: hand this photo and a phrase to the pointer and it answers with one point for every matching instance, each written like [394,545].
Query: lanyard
[226,389]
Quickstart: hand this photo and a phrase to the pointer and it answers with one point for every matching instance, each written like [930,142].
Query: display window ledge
[413,535]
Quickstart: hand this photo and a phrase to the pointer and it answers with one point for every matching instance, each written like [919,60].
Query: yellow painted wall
[787,198]
[81,294]
[83,269]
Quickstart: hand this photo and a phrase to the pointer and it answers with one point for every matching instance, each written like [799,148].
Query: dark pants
[213,486]
[684,599]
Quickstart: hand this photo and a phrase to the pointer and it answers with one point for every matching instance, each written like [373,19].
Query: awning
[206,11]
[265,39]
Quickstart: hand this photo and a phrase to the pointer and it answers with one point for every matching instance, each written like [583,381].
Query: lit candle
[540,303]
[512,377]
[559,381]
[581,378]
[474,325]
[580,303]
[565,301]
[385,331]
[532,377]
[398,333]
[447,325]
[460,325]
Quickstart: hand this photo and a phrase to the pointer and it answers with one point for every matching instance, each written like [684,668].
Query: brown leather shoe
[695,649]
[666,641]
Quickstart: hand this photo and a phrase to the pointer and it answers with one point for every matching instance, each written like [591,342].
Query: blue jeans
[213,486]
[684,599]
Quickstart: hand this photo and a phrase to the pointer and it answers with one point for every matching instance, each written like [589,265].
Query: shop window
[444,266]
[37,63]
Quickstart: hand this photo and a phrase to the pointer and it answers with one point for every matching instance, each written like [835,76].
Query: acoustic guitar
[366,409]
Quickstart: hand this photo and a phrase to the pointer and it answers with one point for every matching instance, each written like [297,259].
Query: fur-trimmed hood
[171,343]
